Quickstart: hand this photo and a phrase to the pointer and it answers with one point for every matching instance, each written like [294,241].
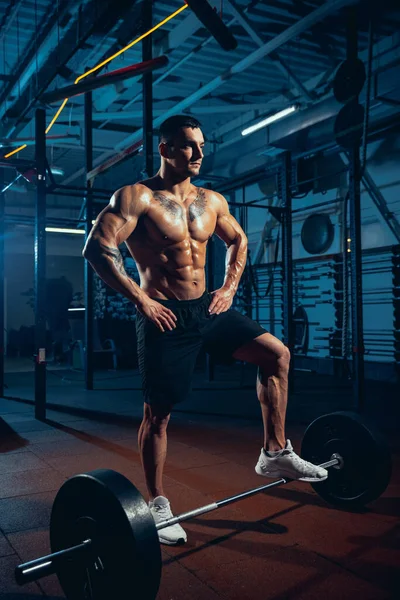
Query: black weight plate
[348,125]
[317,233]
[106,507]
[349,80]
[367,464]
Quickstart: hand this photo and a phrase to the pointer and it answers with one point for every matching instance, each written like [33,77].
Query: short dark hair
[171,126]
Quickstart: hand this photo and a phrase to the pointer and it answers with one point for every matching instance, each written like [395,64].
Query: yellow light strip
[105,62]
[139,39]
[15,151]
[58,113]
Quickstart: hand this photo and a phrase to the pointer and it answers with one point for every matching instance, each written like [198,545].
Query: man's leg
[277,458]
[272,359]
[152,439]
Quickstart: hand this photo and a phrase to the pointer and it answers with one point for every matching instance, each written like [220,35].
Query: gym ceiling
[287,54]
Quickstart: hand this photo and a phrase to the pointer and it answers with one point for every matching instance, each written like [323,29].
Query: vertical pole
[211,286]
[396,308]
[287,259]
[147,54]
[88,271]
[247,287]
[2,282]
[40,266]
[355,244]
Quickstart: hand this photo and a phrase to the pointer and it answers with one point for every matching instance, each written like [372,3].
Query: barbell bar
[104,539]
[335,461]
[85,552]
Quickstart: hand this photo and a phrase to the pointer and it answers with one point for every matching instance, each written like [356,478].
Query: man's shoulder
[134,196]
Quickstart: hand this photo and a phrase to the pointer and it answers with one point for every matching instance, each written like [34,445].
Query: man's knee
[275,364]
[157,417]
[284,358]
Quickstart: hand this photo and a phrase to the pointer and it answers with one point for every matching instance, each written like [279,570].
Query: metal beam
[93,83]
[380,202]
[88,271]
[30,141]
[177,65]
[147,87]
[213,23]
[285,193]
[2,283]
[45,39]
[8,19]
[314,17]
[378,199]
[280,64]
[40,267]
[52,56]
[355,237]
[198,110]
[385,54]
[173,39]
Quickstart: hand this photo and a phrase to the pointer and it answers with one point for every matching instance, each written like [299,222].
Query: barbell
[104,540]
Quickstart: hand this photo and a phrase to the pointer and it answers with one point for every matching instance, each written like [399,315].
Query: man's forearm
[236,257]
[109,265]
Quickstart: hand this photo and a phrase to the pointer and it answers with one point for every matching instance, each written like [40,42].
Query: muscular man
[166,223]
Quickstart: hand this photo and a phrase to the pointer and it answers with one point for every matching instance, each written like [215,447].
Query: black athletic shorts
[167,359]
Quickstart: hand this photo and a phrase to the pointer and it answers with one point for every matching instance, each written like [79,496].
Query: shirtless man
[166,223]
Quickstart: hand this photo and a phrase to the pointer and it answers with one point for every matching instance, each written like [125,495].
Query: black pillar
[211,287]
[147,54]
[355,236]
[2,287]
[88,271]
[287,258]
[40,266]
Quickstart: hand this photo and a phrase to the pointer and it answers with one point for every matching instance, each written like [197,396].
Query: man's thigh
[228,331]
[166,362]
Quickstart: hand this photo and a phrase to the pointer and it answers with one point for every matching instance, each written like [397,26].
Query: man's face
[185,152]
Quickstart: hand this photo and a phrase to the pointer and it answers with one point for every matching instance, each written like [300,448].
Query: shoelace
[301,462]
[297,459]
[164,511]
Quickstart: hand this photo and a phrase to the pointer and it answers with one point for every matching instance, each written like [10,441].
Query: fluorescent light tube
[271,119]
[62,230]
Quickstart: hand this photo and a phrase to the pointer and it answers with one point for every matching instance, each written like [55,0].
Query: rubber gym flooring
[286,543]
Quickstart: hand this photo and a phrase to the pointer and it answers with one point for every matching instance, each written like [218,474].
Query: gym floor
[281,544]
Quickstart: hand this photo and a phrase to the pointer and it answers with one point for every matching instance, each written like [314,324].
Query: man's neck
[180,188]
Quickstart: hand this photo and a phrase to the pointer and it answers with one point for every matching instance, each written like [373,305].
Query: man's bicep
[227,228]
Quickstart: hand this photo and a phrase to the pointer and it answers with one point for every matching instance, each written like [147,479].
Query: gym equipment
[104,540]
[349,80]
[317,233]
[366,468]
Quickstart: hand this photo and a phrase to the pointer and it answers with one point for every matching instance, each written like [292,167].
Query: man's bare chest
[171,220]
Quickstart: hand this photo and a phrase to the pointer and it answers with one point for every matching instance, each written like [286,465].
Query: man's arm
[112,227]
[229,230]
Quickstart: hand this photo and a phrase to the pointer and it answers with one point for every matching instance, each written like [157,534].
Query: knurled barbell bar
[104,540]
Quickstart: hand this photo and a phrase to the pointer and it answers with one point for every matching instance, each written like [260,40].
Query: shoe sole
[276,475]
[179,542]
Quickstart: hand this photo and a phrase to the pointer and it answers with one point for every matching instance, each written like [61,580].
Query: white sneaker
[288,465]
[161,511]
